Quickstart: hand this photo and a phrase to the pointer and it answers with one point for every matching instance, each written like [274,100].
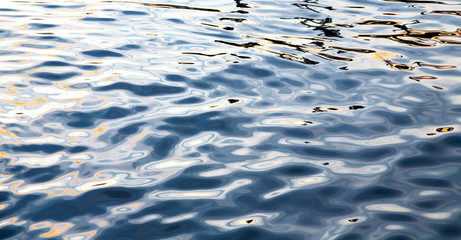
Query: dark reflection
[96,19]
[151,229]
[102,53]
[125,132]
[395,217]
[51,39]
[190,100]
[129,47]
[212,121]
[431,203]
[44,148]
[37,46]
[143,90]
[186,182]
[41,25]
[10,231]
[168,6]
[239,4]
[448,230]
[457,13]
[420,38]
[312,5]
[35,175]
[376,193]
[400,237]
[55,76]
[296,171]
[251,233]
[92,203]
[138,13]
[430,182]
[81,119]
[53,6]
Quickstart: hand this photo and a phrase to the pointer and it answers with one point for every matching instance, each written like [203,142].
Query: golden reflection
[100,176]
[295,46]
[445,129]
[435,66]
[4,177]
[449,12]
[379,22]
[81,236]
[40,225]
[100,130]
[141,135]
[216,26]
[233,19]
[6,133]
[12,90]
[399,66]
[358,50]
[74,139]
[31,102]
[204,54]
[8,221]
[419,38]
[54,186]
[3,206]
[332,57]
[419,78]
[57,229]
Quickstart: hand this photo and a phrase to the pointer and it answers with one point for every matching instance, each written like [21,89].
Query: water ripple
[230,120]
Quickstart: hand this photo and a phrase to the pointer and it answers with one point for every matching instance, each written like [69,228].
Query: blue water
[185,119]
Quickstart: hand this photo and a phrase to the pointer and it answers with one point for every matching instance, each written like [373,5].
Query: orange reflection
[8,221]
[31,102]
[419,38]
[18,189]
[379,22]
[5,177]
[445,129]
[142,134]
[100,176]
[40,225]
[81,236]
[71,100]
[3,206]
[380,56]
[435,66]
[100,130]
[449,12]
[419,78]
[57,229]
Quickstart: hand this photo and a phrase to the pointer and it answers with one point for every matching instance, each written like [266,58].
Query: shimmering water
[185,119]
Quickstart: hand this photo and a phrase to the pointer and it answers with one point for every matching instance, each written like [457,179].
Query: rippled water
[184,119]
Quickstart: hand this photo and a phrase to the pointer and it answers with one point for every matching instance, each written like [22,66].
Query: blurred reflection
[310,119]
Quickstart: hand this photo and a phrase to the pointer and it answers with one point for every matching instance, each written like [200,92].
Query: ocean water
[245,119]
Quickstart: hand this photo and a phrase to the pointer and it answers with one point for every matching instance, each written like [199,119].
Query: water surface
[183,119]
